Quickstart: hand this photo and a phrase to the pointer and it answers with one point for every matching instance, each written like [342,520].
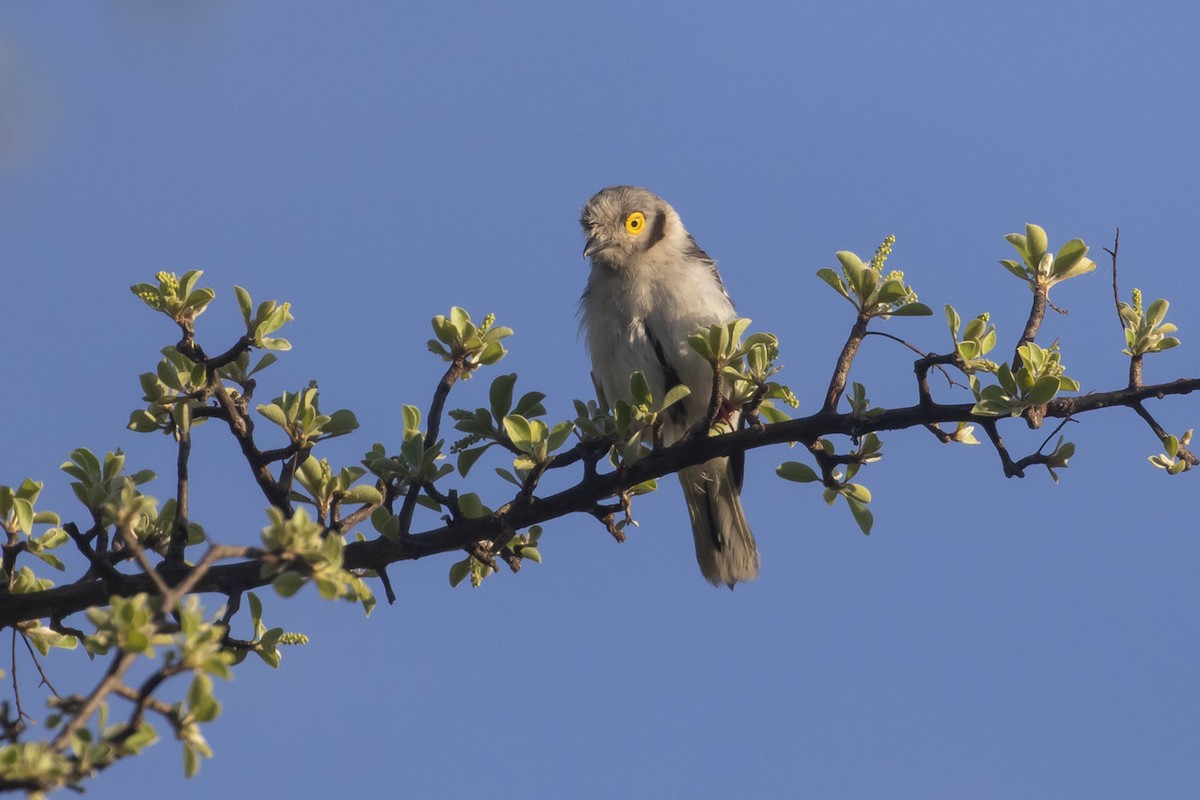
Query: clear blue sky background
[375,164]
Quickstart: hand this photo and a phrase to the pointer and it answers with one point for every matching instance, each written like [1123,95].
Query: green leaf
[517,428]
[244,303]
[191,759]
[24,512]
[834,280]
[1043,390]
[1082,267]
[412,420]
[467,458]
[639,390]
[558,435]
[1014,268]
[530,405]
[1156,312]
[857,492]
[274,413]
[275,344]
[912,310]
[471,506]
[288,583]
[1036,243]
[500,395]
[862,515]
[1069,256]
[364,493]
[459,570]
[340,423]
[953,320]
[795,471]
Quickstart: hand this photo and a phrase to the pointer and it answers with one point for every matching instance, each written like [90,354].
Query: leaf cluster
[1039,266]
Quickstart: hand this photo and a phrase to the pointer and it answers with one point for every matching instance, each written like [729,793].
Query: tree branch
[584,497]
[841,372]
[1037,313]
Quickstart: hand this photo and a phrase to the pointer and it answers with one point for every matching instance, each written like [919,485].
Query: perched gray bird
[650,288]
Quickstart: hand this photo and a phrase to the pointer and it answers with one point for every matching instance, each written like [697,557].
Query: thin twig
[139,555]
[121,663]
[16,690]
[38,665]
[179,528]
[1116,294]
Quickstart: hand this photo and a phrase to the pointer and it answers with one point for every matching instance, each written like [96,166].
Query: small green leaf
[459,570]
[1015,268]
[1043,390]
[638,388]
[274,413]
[796,471]
[288,583]
[857,492]
[517,428]
[1035,243]
[912,310]
[953,321]
[467,458]
[862,515]
[834,280]
[500,395]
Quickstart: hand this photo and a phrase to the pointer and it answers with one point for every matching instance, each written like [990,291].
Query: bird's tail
[725,547]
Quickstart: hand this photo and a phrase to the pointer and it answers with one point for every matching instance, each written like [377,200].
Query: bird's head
[621,223]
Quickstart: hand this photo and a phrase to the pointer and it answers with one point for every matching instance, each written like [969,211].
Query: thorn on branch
[940,434]
[386,581]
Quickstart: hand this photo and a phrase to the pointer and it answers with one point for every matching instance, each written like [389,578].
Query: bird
[649,288]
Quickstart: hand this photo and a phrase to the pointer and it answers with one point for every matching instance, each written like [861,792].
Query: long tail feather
[725,547]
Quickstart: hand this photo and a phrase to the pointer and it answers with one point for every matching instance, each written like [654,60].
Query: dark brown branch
[921,368]
[1037,313]
[179,528]
[229,356]
[1010,468]
[457,369]
[1135,370]
[99,563]
[841,372]
[242,428]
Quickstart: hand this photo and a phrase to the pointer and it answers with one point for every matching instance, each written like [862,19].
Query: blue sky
[374,164]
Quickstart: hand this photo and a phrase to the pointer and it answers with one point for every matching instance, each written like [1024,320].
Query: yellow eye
[635,223]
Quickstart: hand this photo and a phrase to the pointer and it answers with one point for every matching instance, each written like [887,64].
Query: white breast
[667,297]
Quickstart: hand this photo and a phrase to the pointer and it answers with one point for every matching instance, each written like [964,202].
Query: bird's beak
[595,245]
